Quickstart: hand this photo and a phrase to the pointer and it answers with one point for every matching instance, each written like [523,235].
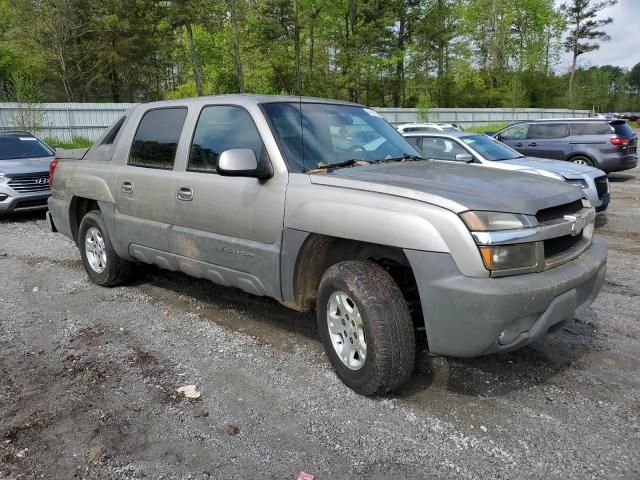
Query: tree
[585,31]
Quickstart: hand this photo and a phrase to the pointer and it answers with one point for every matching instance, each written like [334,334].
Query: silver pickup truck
[323,206]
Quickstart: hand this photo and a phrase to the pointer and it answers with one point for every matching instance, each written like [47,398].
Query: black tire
[582,160]
[116,270]
[389,331]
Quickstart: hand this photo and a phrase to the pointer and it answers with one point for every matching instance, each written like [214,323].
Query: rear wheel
[580,160]
[100,260]
[366,327]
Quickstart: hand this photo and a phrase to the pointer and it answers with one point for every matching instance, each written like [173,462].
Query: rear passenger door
[228,229]
[547,140]
[145,184]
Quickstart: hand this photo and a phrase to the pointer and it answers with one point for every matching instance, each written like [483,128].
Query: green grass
[486,128]
[76,142]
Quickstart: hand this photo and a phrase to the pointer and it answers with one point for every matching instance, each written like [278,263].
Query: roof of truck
[246,99]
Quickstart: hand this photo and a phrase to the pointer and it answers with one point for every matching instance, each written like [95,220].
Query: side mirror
[241,162]
[464,157]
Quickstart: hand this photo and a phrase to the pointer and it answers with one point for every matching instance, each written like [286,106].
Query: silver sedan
[481,149]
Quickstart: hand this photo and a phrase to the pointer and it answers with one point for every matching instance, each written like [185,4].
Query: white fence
[477,117]
[64,121]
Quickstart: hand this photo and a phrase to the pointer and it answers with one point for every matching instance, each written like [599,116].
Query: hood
[456,187]
[25,166]
[566,169]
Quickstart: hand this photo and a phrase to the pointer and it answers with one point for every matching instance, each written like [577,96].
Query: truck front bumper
[469,317]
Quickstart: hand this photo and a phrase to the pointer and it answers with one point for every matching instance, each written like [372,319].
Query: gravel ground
[88,380]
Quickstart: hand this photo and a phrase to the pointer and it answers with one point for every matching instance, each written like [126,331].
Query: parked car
[610,145]
[426,127]
[263,193]
[481,149]
[24,172]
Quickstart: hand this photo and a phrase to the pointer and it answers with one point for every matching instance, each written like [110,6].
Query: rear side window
[415,142]
[156,140]
[441,149]
[590,128]
[548,130]
[220,128]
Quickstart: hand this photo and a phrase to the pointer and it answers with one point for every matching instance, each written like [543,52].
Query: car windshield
[490,149]
[16,147]
[316,135]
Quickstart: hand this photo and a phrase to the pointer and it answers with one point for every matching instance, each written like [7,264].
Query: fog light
[509,257]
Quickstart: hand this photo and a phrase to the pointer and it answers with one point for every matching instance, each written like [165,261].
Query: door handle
[127,187]
[534,144]
[185,194]
[518,144]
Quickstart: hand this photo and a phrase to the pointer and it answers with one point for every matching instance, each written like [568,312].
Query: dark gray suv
[610,145]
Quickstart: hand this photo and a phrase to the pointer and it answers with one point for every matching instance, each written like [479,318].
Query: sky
[623,50]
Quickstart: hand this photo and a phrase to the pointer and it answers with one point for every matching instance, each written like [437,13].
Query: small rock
[483,428]
[167,312]
[35,289]
[232,429]
[189,391]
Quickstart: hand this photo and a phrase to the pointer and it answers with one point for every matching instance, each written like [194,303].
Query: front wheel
[100,260]
[366,327]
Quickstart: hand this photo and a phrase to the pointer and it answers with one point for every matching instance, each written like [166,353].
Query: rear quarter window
[591,128]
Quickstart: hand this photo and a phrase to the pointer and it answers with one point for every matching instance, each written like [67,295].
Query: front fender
[381,219]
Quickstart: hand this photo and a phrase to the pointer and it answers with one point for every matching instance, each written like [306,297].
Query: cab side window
[220,128]
[157,137]
[517,132]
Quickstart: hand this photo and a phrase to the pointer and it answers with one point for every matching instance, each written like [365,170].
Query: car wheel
[580,160]
[366,327]
[100,260]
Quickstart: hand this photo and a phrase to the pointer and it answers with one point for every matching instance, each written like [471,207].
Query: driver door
[228,229]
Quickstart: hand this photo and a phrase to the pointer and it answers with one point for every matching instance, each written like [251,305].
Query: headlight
[509,257]
[494,221]
[586,203]
[3,178]
[578,182]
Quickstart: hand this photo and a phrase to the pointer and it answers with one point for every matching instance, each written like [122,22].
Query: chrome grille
[557,213]
[31,183]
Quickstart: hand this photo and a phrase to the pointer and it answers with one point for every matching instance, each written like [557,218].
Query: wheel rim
[95,250]
[346,330]
[580,161]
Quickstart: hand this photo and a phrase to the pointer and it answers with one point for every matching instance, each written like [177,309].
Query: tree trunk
[296,34]
[197,76]
[399,80]
[236,47]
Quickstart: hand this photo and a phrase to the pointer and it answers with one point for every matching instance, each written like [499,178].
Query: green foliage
[464,53]
[76,142]
[494,127]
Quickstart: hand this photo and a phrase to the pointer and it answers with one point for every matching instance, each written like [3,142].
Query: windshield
[315,135]
[15,147]
[490,149]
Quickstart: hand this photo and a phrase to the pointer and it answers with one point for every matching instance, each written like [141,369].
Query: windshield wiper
[404,158]
[325,167]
